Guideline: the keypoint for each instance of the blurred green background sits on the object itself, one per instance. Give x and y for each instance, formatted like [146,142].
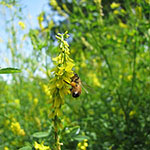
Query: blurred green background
[110,45]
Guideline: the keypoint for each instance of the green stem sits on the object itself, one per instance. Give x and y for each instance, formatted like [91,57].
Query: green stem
[57,143]
[133,73]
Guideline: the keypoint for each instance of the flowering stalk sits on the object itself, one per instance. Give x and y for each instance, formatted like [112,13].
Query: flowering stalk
[58,88]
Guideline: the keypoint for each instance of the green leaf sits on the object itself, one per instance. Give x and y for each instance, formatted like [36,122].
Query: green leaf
[73,131]
[26,148]
[9,70]
[40,134]
[1,147]
[80,137]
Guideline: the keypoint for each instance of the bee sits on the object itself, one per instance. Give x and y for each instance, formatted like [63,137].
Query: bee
[76,84]
[76,88]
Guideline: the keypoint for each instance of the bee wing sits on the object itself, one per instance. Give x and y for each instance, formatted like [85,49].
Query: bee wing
[87,86]
[85,89]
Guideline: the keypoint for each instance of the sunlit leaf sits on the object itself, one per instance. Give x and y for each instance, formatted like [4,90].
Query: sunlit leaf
[26,148]
[80,137]
[9,70]
[40,134]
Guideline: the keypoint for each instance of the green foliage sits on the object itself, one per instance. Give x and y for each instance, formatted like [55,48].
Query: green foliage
[109,43]
[9,70]
[40,134]
[26,148]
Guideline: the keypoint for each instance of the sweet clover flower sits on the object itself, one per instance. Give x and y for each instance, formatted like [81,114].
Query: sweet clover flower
[61,73]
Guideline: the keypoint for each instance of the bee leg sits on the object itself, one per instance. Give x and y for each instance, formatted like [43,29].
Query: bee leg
[66,82]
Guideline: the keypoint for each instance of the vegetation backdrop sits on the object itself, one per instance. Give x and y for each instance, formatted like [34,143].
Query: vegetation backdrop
[110,45]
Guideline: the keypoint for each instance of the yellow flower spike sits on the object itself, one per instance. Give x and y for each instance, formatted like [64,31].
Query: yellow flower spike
[58,88]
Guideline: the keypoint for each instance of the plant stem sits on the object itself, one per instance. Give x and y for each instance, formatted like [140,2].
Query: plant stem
[57,144]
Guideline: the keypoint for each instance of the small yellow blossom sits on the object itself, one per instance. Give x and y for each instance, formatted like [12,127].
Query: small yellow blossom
[6,148]
[55,5]
[7,122]
[16,129]
[114,37]
[121,112]
[98,1]
[41,146]
[108,36]
[17,101]
[46,89]
[113,109]
[129,77]
[120,76]
[114,5]
[35,101]
[82,145]
[83,64]
[119,41]
[132,113]
[123,11]
[5,4]
[123,25]
[40,20]
[116,12]
[22,25]
[94,78]
[138,10]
